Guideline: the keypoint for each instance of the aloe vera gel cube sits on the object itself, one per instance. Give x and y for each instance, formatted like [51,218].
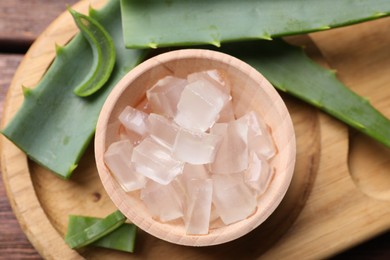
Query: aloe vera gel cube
[154,161]
[219,80]
[232,156]
[117,158]
[259,138]
[259,174]
[233,199]
[165,94]
[134,120]
[191,172]
[195,147]
[163,130]
[163,201]
[216,77]
[199,198]
[199,105]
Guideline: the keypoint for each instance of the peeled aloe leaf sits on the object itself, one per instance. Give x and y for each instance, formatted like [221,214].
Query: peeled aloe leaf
[54,126]
[150,23]
[91,231]
[103,51]
[291,71]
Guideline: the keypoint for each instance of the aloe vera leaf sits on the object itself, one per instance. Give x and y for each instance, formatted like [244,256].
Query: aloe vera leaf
[54,126]
[149,23]
[122,238]
[103,50]
[290,70]
[97,230]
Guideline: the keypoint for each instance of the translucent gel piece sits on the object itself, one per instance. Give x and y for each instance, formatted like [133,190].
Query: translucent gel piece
[163,201]
[117,158]
[232,155]
[134,120]
[195,147]
[126,134]
[191,172]
[165,94]
[220,80]
[259,137]
[197,214]
[163,130]
[155,162]
[199,105]
[259,174]
[216,77]
[232,198]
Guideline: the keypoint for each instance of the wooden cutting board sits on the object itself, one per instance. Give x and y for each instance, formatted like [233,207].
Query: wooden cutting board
[339,195]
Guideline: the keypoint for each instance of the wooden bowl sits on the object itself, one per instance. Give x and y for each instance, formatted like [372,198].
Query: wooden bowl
[250,91]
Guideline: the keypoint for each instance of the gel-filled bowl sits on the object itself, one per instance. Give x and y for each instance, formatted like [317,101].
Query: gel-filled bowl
[250,91]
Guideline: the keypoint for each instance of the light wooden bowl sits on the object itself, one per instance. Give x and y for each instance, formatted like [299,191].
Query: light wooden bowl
[250,91]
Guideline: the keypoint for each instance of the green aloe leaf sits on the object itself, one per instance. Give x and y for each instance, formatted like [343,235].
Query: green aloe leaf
[103,51]
[290,70]
[54,126]
[92,230]
[122,238]
[150,23]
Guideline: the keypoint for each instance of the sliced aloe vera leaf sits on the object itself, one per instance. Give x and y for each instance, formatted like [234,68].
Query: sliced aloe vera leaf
[290,70]
[122,238]
[150,23]
[54,126]
[95,231]
[103,52]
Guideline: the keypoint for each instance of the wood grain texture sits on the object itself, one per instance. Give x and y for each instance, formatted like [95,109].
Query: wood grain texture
[17,249]
[365,68]
[13,242]
[21,21]
[46,185]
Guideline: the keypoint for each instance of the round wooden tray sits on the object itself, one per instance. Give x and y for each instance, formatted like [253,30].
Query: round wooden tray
[42,202]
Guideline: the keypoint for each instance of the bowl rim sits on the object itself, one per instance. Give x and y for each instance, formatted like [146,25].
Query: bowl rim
[215,237]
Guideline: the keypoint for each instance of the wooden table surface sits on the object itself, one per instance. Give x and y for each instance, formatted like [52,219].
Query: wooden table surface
[21,21]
